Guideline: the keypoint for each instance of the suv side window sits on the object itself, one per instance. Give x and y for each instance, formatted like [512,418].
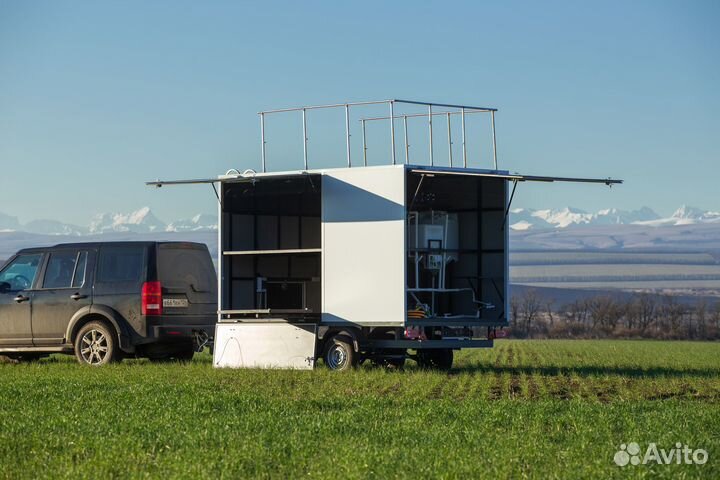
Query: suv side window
[121,264]
[79,276]
[60,269]
[20,273]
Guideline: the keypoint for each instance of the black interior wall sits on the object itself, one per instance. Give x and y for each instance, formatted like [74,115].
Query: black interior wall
[271,214]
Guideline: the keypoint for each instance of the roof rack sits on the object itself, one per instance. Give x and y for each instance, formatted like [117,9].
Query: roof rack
[448,110]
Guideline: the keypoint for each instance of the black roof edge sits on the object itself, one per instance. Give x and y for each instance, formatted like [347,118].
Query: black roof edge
[61,246]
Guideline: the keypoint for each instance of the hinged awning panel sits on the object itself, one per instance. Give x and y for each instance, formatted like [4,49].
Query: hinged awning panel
[235,178]
[419,169]
[190,181]
[516,177]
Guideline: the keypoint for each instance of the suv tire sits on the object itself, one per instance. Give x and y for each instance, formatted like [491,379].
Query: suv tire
[96,344]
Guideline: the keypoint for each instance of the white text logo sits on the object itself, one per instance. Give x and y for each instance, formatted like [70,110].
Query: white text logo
[630,454]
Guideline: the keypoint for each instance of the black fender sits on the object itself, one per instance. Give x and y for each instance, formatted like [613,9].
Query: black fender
[107,314]
[353,335]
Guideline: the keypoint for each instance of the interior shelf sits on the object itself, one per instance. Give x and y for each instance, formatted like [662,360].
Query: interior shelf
[454,250]
[286,251]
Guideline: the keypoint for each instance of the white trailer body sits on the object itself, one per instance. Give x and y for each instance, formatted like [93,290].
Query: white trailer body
[341,251]
[373,263]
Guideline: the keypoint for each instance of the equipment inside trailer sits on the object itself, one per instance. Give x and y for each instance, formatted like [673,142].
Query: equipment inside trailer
[456,247]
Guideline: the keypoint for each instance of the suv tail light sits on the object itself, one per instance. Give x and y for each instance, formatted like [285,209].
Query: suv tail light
[152,301]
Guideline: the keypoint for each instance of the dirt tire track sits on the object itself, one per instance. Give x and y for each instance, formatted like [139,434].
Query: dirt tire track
[533,391]
[559,387]
[515,388]
[461,387]
[436,391]
[496,389]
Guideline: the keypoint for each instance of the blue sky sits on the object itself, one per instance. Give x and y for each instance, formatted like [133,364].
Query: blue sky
[97,97]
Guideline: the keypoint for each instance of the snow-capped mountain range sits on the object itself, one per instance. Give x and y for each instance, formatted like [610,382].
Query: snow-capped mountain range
[139,221]
[521,219]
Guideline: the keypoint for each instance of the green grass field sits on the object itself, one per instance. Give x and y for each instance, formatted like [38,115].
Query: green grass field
[536,409]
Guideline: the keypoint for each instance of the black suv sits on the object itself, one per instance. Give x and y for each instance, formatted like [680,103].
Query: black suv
[103,301]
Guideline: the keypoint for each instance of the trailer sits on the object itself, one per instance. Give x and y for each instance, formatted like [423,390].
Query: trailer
[365,263]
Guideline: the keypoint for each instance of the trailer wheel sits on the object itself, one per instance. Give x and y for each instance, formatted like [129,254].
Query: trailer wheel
[391,358]
[339,353]
[440,359]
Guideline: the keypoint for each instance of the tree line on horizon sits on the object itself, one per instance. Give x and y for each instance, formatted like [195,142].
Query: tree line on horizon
[641,316]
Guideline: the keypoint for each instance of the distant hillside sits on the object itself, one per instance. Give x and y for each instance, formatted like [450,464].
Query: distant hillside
[698,237]
[11,242]
[142,220]
[522,219]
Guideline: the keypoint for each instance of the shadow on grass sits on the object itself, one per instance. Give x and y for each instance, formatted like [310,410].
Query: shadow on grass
[591,371]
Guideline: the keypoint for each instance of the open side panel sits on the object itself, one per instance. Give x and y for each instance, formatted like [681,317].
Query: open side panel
[271,248]
[457,249]
[265,345]
[363,246]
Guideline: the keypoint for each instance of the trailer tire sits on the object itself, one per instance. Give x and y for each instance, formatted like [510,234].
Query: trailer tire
[437,359]
[390,358]
[339,353]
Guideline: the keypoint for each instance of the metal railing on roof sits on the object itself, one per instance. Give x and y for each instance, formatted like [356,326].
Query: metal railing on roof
[449,110]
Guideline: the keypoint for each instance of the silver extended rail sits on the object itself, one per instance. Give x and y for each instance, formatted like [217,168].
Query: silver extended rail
[461,110]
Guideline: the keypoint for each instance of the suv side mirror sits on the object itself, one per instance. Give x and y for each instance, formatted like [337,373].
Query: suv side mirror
[5,287]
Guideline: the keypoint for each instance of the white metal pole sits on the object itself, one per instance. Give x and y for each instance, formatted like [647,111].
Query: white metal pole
[407,144]
[223,223]
[417,245]
[431,142]
[262,138]
[492,119]
[347,132]
[364,144]
[449,140]
[444,254]
[432,296]
[462,116]
[305,139]
[392,130]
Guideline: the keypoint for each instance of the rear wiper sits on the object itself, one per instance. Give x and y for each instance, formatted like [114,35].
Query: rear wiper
[192,286]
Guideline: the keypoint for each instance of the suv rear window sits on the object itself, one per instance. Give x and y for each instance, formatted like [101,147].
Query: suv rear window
[121,264]
[61,269]
[182,265]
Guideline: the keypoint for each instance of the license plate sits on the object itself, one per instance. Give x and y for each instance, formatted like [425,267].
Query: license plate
[175,302]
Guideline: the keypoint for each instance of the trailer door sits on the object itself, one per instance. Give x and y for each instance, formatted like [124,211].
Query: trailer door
[363,246]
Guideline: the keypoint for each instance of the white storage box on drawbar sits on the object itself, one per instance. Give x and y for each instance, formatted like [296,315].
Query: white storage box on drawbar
[265,345]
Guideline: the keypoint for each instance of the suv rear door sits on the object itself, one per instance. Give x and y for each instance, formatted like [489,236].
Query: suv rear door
[119,274]
[188,279]
[65,288]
